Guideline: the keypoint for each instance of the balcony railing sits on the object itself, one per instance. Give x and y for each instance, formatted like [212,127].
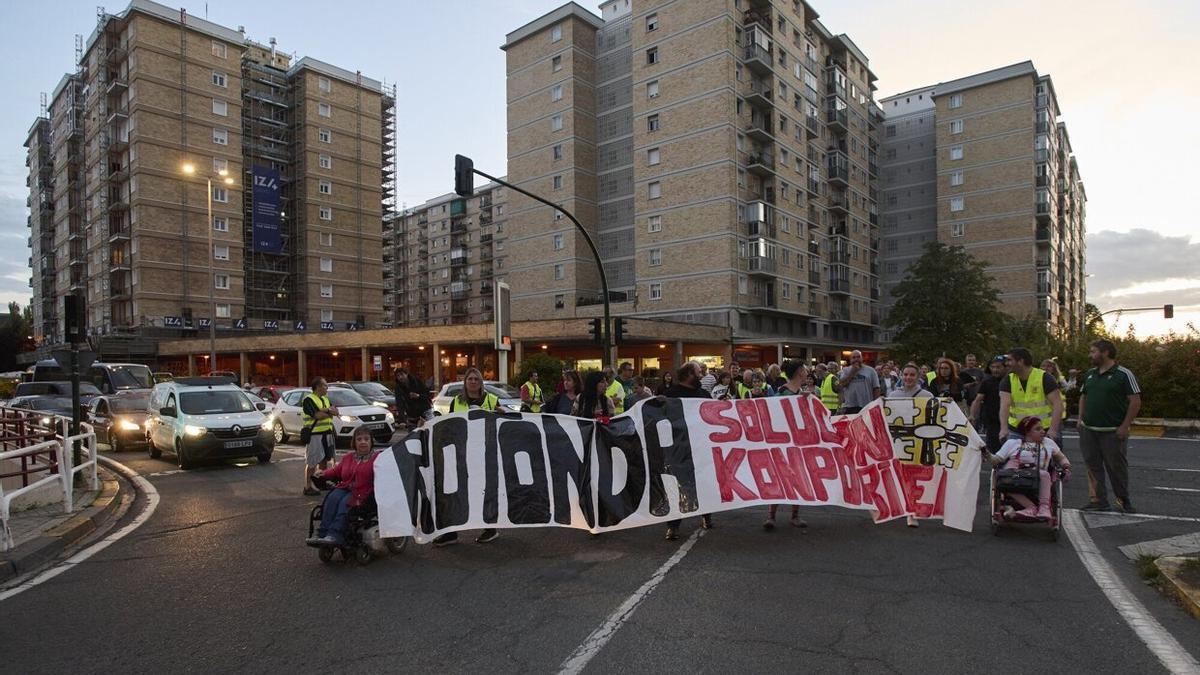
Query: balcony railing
[758,58]
[760,265]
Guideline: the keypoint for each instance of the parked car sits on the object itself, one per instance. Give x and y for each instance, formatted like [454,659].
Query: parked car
[374,392]
[87,391]
[272,393]
[510,398]
[353,410]
[120,419]
[107,377]
[160,376]
[206,418]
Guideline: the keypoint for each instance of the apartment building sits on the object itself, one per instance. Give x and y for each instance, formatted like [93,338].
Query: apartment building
[442,259]
[985,163]
[302,162]
[67,222]
[41,210]
[720,152]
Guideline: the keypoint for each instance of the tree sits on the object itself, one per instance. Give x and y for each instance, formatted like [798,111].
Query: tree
[945,305]
[549,370]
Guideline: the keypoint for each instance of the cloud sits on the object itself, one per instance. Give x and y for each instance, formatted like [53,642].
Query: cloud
[1141,264]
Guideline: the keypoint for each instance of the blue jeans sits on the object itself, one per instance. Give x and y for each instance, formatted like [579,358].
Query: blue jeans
[333,514]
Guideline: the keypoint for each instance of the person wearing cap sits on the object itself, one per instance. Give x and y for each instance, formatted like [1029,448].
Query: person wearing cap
[985,408]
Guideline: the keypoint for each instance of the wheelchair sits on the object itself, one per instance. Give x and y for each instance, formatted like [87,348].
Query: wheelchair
[361,540]
[1000,499]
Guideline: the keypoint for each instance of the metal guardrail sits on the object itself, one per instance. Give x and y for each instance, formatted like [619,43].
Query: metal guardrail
[54,476]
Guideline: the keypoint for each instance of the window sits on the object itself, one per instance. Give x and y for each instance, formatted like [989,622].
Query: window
[655,257]
[654,224]
[787,290]
[956,152]
[220,137]
[557,151]
[220,224]
[324,135]
[556,123]
[326,264]
[956,126]
[558,182]
[220,194]
[558,215]
[325,161]
[652,23]
[652,89]
[556,64]
[652,56]
[890,130]
[218,49]
[956,178]
[958,229]
[556,33]
[327,239]
[656,291]
[655,190]
[325,187]
[956,100]
[652,156]
[560,301]
[220,108]
[558,242]
[221,282]
[220,165]
[556,92]
[652,123]
[223,311]
[325,212]
[326,290]
[219,79]
[324,84]
[327,315]
[220,253]
[956,204]
[324,110]
[559,272]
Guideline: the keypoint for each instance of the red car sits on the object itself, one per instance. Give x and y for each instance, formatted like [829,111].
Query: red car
[271,394]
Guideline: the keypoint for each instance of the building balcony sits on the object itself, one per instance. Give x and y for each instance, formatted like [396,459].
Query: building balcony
[485,239]
[116,85]
[761,130]
[814,247]
[873,218]
[814,277]
[760,266]
[1044,211]
[758,18]
[758,59]
[839,202]
[1043,234]
[120,265]
[761,163]
[874,292]
[810,94]
[839,314]
[813,125]
[839,169]
[757,229]
[837,120]
[760,94]
[839,256]
[814,187]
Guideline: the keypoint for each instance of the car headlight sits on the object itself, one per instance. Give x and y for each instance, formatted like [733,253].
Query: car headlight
[193,430]
[46,421]
[126,425]
[346,418]
[389,418]
[381,404]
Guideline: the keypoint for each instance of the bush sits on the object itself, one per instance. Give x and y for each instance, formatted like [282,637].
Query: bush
[549,371]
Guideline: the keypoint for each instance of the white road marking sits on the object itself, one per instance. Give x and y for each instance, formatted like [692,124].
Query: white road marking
[579,659]
[1171,489]
[1156,638]
[1096,519]
[1179,545]
[1183,470]
[143,486]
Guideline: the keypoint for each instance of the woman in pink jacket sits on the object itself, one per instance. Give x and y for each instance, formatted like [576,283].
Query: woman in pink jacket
[355,474]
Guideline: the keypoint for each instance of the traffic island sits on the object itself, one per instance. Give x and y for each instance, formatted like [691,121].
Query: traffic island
[1180,576]
[42,534]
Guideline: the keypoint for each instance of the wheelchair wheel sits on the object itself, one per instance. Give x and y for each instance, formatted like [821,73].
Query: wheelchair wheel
[396,545]
[362,555]
[325,553]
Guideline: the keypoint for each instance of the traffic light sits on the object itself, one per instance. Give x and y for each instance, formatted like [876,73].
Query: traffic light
[1168,311]
[75,318]
[597,331]
[464,176]
[619,330]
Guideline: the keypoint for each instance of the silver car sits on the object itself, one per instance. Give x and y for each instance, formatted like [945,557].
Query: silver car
[286,417]
[510,399]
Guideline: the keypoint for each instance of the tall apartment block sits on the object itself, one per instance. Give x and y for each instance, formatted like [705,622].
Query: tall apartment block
[295,238]
[983,162]
[441,259]
[720,152]
[41,211]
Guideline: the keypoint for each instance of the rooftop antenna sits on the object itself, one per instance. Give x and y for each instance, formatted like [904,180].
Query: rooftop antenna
[78,51]
[43,112]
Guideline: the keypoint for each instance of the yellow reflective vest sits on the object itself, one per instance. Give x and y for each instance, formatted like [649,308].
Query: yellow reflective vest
[320,426]
[829,395]
[459,403]
[618,390]
[1030,399]
[535,396]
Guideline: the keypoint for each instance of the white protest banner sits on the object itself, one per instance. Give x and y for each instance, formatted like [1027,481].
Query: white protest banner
[664,459]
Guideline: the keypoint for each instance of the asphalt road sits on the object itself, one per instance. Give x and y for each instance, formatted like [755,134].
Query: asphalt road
[218,579]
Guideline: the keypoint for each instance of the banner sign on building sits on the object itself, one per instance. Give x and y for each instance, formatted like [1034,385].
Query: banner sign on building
[662,460]
[267,237]
[326,325]
[270,324]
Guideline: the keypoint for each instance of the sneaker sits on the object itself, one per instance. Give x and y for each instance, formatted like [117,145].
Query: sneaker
[313,541]
[671,536]
[446,539]
[1096,506]
[706,522]
[769,524]
[311,492]
[912,522]
[328,540]
[1126,507]
[797,521]
[486,536]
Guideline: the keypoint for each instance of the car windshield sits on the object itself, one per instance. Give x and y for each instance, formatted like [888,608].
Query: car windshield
[129,404]
[214,402]
[345,397]
[130,377]
[373,389]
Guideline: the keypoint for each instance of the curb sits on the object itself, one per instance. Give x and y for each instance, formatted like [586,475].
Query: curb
[33,554]
[1171,568]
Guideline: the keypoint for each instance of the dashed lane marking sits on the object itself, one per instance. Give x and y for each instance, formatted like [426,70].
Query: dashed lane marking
[1174,489]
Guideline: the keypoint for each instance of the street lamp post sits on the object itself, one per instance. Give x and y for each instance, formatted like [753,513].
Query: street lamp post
[190,169]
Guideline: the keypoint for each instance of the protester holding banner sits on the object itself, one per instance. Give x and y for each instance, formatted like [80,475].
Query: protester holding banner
[614,390]
[794,385]
[594,403]
[859,384]
[667,381]
[316,432]
[721,389]
[563,401]
[638,391]
[473,395]
[531,394]
[910,384]
[687,385]
[946,382]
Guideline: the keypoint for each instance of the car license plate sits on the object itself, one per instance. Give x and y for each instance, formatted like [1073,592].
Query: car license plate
[249,442]
[377,426]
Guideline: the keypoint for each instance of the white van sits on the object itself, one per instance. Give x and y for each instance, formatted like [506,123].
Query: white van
[206,418]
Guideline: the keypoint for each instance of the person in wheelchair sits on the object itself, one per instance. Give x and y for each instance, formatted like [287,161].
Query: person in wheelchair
[1031,449]
[355,489]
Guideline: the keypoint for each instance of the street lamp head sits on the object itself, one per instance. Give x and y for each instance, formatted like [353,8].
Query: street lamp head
[222,173]
[229,181]
[189,169]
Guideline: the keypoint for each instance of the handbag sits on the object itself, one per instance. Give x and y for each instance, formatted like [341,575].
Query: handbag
[305,435]
[1020,479]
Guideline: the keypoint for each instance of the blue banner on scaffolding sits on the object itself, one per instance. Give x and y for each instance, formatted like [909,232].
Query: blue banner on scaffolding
[267,237]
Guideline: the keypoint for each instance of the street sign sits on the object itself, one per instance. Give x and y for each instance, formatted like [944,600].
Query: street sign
[270,324]
[205,323]
[350,325]
[63,357]
[301,325]
[173,321]
[326,325]
[378,364]
[240,324]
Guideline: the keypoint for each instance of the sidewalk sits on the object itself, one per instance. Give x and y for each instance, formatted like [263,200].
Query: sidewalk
[42,533]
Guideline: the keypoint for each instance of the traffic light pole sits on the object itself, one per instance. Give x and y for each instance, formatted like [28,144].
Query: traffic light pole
[608,341]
